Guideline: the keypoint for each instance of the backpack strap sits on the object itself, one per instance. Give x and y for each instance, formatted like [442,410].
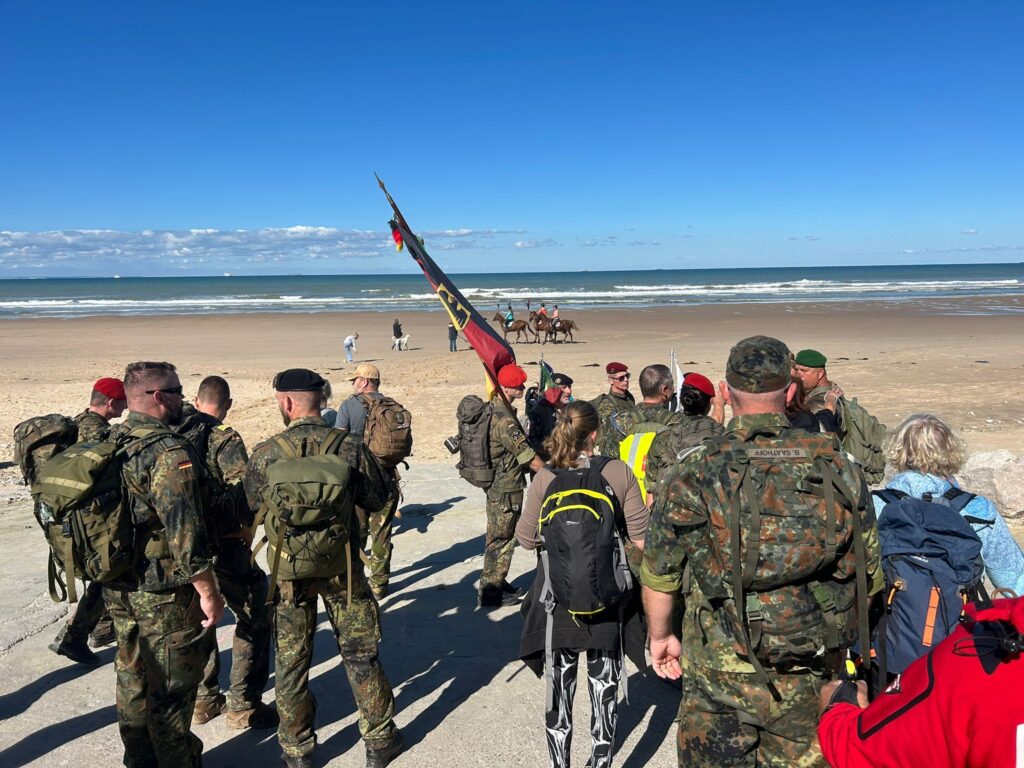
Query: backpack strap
[958,499]
[889,495]
[54,581]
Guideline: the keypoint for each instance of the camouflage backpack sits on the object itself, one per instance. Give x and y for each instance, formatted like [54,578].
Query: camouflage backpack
[388,430]
[39,439]
[307,513]
[789,565]
[863,438]
[80,503]
[474,441]
[618,416]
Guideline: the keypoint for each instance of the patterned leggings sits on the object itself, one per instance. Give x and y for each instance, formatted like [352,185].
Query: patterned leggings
[603,671]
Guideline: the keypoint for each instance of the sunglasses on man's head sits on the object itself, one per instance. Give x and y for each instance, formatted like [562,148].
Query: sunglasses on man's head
[167,390]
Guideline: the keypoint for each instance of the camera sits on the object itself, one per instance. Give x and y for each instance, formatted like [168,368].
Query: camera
[452,444]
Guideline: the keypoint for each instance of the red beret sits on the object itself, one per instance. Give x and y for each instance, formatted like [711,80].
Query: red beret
[511,376]
[702,383]
[612,368]
[112,388]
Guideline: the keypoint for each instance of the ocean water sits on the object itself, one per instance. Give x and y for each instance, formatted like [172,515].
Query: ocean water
[930,284]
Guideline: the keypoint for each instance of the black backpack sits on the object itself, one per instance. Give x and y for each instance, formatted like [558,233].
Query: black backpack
[585,567]
[474,441]
[931,557]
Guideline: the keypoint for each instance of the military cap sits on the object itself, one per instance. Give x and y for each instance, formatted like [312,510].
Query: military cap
[365,371]
[700,383]
[759,364]
[562,380]
[810,358]
[298,380]
[612,368]
[112,388]
[511,376]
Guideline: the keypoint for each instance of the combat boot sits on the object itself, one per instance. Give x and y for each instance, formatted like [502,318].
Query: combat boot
[511,589]
[297,761]
[207,709]
[76,650]
[496,597]
[379,758]
[102,636]
[258,718]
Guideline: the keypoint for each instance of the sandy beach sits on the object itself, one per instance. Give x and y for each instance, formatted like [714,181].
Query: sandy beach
[896,358]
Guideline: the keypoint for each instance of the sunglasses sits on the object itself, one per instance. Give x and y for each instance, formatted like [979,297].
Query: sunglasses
[167,390]
[623,377]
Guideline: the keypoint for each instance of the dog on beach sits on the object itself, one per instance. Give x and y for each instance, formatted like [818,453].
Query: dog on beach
[402,344]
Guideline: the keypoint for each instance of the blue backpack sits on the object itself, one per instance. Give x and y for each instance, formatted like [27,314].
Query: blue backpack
[931,557]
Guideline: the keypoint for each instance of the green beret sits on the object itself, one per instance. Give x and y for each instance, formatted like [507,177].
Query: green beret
[759,364]
[810,358]
[298,380]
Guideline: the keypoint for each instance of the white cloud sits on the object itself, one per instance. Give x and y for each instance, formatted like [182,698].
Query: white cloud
[969,231]
[547,242]
[104,251]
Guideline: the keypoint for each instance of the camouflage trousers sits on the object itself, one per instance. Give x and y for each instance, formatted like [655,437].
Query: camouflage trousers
[244,587]
[159,665]
[357,631]
[89,616]
[503,510]
[375,531]
[731,719]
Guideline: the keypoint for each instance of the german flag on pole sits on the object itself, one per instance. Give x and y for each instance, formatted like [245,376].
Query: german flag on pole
[493,351]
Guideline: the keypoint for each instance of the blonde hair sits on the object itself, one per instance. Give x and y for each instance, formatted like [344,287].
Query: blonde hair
[925,443]
[576,422]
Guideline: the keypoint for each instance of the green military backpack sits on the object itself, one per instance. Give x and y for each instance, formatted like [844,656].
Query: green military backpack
[81,505]
[307,513]
[39,439]
[863,438]
[789,559]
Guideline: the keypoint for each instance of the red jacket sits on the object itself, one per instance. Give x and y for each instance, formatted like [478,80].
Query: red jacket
[960,706]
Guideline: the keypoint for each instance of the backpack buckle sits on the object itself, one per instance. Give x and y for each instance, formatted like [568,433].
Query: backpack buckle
[753,610]
[823,598]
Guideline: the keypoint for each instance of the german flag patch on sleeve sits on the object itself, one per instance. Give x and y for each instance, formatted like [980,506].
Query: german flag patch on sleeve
[186,464]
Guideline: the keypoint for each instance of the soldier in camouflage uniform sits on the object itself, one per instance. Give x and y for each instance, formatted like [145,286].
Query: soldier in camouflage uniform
[694,425]
[243,583]
[511,457]
[90,618]
[821,396]
[617,400]
[737,710]
[354,618]
[162,608]
[376,527]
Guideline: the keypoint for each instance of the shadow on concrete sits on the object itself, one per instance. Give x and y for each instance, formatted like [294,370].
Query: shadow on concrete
[419,516]
[408,575]
[17,702]
[41,741]
[647,692]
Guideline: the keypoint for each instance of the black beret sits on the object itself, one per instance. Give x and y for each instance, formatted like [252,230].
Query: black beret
[562,380]
[298,380]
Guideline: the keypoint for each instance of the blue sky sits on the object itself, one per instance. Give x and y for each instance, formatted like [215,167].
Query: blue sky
[197,138]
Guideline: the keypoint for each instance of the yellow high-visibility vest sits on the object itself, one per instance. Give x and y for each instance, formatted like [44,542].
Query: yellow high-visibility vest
[633,450]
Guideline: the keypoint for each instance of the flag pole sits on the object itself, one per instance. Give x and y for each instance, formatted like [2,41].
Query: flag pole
[492,377]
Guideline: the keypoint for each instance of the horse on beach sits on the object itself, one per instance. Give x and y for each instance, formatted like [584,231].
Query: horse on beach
[542,324]
[518,327]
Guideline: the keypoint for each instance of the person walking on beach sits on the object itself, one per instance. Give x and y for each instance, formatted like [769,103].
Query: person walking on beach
[769,607]
[511,458]
[396,336]
[242,582]
[453,337]
[351,609]
[350,346]
[162,608]
[89,623]
[605,637]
